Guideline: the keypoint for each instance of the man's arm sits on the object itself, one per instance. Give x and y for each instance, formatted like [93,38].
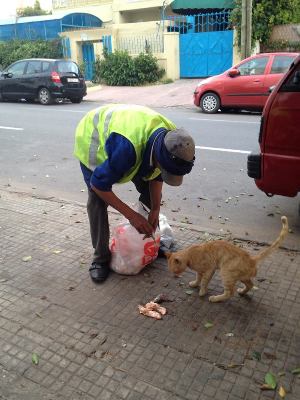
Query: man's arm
[137,220]
[155,195]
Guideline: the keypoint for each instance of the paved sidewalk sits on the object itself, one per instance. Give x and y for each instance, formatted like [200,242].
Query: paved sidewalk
[178,93]
[92,343]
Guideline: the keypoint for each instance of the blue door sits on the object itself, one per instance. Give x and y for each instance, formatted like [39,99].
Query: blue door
[88,57]
[205,54]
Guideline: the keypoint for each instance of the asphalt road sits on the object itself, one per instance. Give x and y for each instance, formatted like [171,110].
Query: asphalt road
[36,157]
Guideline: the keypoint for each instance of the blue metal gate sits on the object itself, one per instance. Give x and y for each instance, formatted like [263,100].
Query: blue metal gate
[205,43]
[205,54]
[88,57]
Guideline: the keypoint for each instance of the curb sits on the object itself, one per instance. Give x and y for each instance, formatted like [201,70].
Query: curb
[178,225]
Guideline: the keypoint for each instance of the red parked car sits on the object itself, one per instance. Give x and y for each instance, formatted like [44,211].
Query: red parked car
[276,165]
[244,86]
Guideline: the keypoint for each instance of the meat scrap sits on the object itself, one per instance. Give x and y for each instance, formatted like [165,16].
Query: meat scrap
[152,310]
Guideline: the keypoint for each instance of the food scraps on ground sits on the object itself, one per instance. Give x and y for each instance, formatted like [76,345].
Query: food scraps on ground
[152,310]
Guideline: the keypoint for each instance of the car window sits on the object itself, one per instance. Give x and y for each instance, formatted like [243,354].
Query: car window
[67,66]
[281,64]
[45,66]
[256,66]
[34,67]
[292,84]
[17,69]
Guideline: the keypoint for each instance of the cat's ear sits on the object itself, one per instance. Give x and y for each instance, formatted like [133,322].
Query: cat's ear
[176,260]
[168,254]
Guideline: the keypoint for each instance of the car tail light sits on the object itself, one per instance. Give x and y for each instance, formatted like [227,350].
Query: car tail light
[55,77]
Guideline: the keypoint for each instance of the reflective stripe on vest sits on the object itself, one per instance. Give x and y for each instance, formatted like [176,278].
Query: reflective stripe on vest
[95,140]
[135,123]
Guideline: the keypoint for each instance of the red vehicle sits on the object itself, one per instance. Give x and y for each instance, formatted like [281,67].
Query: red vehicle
[276,167]
[244,86]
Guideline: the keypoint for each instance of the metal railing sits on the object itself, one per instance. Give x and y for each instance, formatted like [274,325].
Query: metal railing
[152,43]
[58,4]
[206,22]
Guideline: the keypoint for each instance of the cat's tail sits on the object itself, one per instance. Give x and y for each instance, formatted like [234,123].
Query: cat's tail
[276,243]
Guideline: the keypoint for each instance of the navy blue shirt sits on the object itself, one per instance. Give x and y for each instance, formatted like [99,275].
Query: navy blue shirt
[121,158]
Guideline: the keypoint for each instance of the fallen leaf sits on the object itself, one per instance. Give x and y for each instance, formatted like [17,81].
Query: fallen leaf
[35,359]
[282,373]
[270,380]
[235,365]
[189,292]
[26,258]
[270,356]
[256,355]
[38,315]
[161,298]
[229,334]
[296,371]
[266,387]
[208,325]
[281,392]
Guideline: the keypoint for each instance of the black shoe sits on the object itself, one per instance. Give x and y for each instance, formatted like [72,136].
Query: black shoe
[99,272]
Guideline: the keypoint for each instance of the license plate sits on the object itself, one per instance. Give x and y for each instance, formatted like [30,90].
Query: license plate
[72,79]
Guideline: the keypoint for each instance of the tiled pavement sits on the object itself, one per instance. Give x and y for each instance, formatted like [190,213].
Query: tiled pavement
[91,341]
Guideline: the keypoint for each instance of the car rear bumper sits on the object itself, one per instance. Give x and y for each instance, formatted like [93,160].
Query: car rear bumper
[68,92]
[197,99]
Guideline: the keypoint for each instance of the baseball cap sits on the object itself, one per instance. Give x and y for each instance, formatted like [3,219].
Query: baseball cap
[175,154]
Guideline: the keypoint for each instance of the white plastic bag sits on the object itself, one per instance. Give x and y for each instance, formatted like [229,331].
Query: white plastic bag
[166,232]
[130,252]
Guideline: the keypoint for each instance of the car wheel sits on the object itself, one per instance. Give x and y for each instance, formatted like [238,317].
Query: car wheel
[44,96]
[210,103]
[76,99]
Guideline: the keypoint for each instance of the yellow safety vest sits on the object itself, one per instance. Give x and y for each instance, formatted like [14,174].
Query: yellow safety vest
[136,123]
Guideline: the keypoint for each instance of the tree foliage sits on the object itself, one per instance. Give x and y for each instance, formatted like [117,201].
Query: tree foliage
[13,50]
[265,15]
[31,11]
[120,69]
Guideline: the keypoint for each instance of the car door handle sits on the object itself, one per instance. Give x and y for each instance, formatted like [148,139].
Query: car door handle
[256,80]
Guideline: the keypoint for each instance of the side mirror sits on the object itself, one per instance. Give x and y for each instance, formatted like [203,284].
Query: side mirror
[233,72]
[7,74]
[271,88]
[296,78]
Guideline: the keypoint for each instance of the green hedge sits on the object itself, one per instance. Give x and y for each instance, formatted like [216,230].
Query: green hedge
[120,69]
[14,50]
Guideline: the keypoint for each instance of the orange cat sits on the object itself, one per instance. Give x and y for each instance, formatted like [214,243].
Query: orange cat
[234,263]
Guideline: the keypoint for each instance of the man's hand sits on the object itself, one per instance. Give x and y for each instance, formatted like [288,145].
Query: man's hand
[137,220]
[153,219]
[141,224]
